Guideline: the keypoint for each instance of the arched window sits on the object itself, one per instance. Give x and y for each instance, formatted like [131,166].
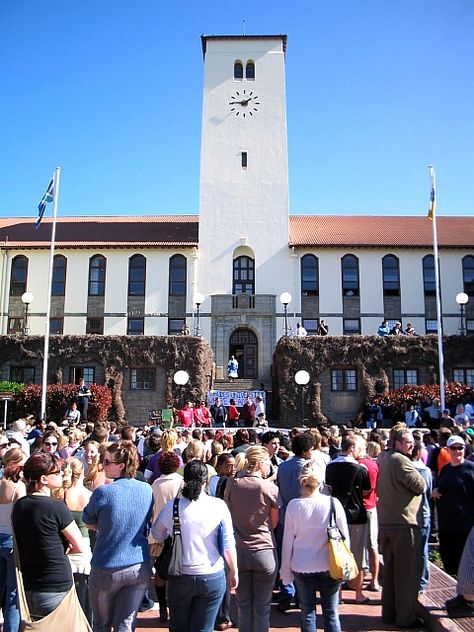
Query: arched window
[59,276]
[309,276]
[250,70]
[238,70]
[391,276]
[97,267]
[244,276]
[468,274]
[136,275]
[19,275]
[177,276]
[350,275]
[429,282]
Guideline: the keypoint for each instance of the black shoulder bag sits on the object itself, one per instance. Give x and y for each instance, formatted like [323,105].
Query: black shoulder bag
[170,561]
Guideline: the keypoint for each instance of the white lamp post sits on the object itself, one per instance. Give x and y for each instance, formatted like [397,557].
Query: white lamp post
[461,299]
[198,301]
[302,379]
[181,378]
[285,300]
[26,298]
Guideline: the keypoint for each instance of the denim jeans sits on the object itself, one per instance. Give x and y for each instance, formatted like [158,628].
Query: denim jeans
[194,600]
[11,614]
[306,586]
[257,572]
[287,591]
[42,603]
[116,595]
[425,534]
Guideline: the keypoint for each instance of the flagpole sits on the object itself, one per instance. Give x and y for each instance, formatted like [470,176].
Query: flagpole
[439,324]
[44,385]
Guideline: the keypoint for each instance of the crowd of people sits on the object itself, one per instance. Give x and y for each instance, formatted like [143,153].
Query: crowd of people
[92,506]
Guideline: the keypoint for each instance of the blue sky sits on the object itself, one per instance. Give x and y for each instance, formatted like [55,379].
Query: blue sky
[111,91]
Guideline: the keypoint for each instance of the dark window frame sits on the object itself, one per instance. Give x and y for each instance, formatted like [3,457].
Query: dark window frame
[347,379]
[130,330]
[139,383]
[92,330]
[470,382]
[250,70]
[172,331]
[238,70]
[243,275]
[350,286]
[78,372]
[349,332]
[19,275]
[58,330]
[58,287]
[21,371]
[429,277]
[137,285]
[391,275]
[177,286]
[468,274]
[309,286]
[400,383]
[97,275]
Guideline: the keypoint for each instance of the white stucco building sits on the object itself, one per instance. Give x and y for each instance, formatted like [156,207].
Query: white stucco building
[141,275]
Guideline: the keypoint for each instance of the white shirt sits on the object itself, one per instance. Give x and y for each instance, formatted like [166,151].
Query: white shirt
[305,539]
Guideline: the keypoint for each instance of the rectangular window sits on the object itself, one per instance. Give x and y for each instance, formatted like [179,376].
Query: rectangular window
[56,326]
[95,326]
[470,326]
[142,379]
[351,326]
[344,380]
[431,326]
[175,326]
[310,324]
[464,376]
[135,327]
[401,377]
[87,372]
[244,160]
[22,374]
[15,325]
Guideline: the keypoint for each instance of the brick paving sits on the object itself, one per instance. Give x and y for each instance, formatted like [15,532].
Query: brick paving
[360,618]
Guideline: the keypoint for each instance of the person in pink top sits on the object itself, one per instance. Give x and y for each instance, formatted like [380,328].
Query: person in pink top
[186,415]
[202,415]
[370,504]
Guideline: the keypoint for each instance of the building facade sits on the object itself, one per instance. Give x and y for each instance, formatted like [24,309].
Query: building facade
[222,272]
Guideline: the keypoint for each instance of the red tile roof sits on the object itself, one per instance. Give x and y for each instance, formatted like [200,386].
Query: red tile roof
[111,232]
[330,231]
[321,231]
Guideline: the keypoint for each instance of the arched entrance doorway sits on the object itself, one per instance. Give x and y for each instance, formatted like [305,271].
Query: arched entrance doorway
[243,345]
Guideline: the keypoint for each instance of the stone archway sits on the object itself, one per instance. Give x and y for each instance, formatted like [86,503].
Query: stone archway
[243,344]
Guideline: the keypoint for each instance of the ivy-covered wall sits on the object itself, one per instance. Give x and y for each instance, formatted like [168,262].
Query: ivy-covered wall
[116,354]
[374,359]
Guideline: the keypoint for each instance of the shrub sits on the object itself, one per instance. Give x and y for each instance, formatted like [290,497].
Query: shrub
[58,399]
[409,394]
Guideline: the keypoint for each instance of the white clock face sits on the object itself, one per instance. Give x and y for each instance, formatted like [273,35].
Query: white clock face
[244,103]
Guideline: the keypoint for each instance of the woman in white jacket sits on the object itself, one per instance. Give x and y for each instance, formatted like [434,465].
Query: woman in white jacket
[305,553]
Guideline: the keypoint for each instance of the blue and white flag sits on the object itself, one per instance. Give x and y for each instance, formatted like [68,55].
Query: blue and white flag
[47,197]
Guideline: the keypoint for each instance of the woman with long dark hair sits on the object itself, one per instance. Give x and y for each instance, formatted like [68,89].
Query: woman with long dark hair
[206,531]
[45,531]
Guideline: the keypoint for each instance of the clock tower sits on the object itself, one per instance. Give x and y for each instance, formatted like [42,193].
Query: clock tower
[244,262]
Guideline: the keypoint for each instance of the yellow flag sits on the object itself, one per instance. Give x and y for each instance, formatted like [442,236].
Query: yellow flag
[432,209]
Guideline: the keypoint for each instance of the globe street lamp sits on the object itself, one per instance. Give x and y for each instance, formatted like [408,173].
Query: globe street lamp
[198,301]
[181,378]
[285,300]
[302,379]
[26,298]
[461,299]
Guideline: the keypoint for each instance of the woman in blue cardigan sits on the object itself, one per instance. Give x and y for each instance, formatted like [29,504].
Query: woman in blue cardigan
[120,513]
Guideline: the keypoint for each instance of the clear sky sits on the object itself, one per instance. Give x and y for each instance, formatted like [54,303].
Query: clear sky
[111,91]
